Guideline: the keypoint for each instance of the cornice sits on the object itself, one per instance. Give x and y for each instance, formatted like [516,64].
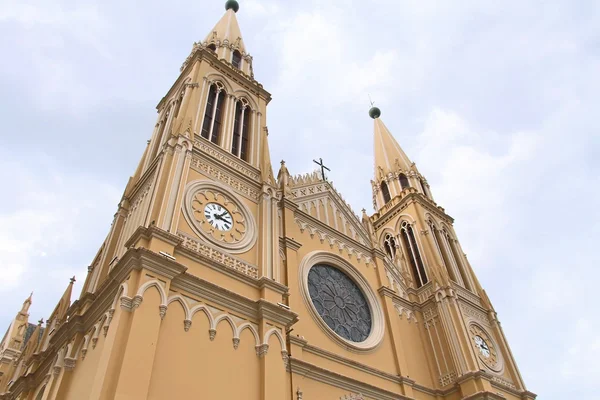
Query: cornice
[289,243]
[309,219]
[253,310]
[382,217]
[357,365]
[329,377]
[275,286]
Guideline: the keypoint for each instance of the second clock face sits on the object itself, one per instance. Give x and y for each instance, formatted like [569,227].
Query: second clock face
[218,216]
[483,347]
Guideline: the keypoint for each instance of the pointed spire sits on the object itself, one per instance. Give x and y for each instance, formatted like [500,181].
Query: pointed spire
[283,178]
[60,312]
[266,169]
[389,156]
[26,304]
[228,28]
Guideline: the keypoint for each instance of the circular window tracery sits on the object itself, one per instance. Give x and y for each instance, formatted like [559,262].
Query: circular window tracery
[339,302]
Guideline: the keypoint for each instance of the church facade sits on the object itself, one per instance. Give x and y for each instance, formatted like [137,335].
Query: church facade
[221,280]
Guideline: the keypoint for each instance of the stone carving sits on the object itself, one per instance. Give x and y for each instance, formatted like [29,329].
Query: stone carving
[352,397]
[410,315]
[447,379]
[227,179]
[475,314]
[187,325]
[262,350]
[70,363]
[503,382]
[340,302]
[212,333]
[226,158]
[236,342]
[332,241]
[218,256]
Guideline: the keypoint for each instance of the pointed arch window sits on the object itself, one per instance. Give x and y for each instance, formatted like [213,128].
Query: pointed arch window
[236,59]
[212,47]
[424,188]
[451,243]
[440,244]
[389,244]
[211,127]
[385,191]
[411,249]
[403,181]
[239,145]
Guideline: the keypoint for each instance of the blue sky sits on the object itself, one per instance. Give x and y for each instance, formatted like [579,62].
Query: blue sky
[496,102]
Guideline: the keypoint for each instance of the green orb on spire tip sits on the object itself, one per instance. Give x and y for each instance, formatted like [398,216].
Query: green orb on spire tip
[374,112]
[232,4]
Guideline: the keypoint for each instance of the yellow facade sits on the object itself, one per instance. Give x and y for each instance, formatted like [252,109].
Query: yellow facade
[220,280]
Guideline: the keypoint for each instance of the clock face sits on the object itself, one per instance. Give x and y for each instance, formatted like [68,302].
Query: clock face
[483,347]
[218,216]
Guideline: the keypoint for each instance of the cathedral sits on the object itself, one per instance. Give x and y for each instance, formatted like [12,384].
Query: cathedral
[220,279]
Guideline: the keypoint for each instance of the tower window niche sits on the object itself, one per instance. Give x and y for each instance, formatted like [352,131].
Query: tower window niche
[385,191]
[389,244]
[212,47]
[239,145]
[211,127]
[236,59]
[414,256]
[403,181]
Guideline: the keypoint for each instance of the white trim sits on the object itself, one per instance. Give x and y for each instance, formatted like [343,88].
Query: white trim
[377,318]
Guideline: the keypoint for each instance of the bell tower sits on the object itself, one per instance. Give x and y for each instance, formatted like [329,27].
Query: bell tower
[461,335]
[207,161]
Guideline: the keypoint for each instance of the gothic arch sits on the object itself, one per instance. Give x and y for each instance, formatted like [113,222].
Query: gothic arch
[206,311]
[384,232]
[239,93]
[276,332]
[404,217]
[158,286]
[229,320]
[177,298]
[252,329]
[216,77]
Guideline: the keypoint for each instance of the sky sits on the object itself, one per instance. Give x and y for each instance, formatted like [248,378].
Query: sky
[496,102]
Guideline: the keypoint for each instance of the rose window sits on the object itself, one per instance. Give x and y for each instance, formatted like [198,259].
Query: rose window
[339,302]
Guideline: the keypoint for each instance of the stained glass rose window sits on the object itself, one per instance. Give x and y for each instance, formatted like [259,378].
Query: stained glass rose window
[340,302]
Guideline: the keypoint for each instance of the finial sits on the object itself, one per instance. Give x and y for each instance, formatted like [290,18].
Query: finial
[41,321]
[232,4]
[374,112]
[72,280]
[282,163]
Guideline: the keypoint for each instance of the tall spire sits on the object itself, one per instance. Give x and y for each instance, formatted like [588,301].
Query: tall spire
[389,156]
[26,304]
[227,30]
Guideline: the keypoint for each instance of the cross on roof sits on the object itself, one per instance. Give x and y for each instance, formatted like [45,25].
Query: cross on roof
[323,167]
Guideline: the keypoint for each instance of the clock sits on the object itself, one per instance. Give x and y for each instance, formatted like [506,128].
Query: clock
[485,348]
[216,214]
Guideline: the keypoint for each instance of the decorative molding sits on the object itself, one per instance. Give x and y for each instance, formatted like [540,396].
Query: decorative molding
[262,349]
[339,240]
[218,256]
[503,382]
[352,397]
[211,334]
[187,324]
[215,152]
[447,379]
[473,314]
[237,185]
[410,315]
[69,363]
[200,189]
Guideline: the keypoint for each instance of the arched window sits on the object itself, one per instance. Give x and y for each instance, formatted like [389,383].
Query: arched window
[451,243]
[423,187]
[389,243]
[212,47]
[403,181]
[40,394]
[239,145]
[440,244]
[414,256]
[386,192]
[236,59]
[211,127]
